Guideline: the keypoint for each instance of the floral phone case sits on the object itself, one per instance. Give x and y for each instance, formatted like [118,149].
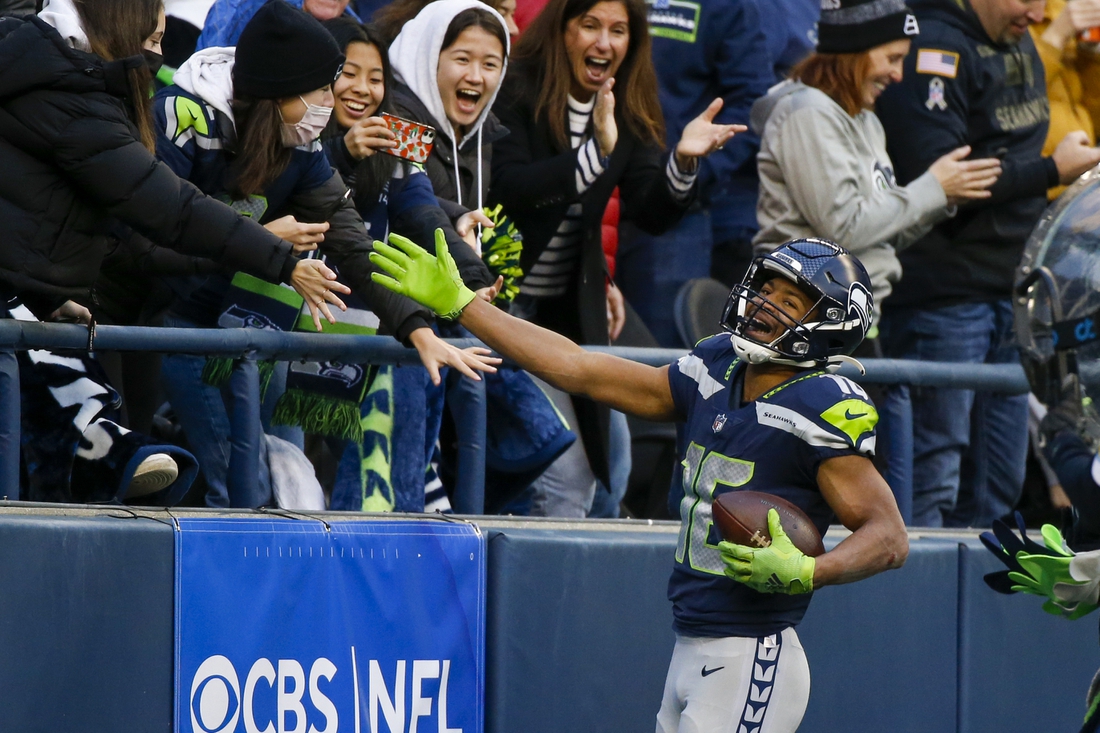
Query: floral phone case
[414,140]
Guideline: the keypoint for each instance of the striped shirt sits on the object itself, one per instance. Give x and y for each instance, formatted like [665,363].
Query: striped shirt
[556,267]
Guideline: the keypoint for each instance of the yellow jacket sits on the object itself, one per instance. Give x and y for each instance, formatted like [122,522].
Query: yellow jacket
[1069,74]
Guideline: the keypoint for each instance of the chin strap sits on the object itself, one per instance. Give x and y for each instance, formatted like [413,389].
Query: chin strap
[835,362]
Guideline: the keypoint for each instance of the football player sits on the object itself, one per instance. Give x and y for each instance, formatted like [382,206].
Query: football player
[761,409]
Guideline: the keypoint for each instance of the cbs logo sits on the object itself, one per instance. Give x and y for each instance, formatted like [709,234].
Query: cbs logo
[215,696]
[217,702]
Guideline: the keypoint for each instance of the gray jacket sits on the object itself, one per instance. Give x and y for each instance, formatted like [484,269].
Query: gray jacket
[824,173]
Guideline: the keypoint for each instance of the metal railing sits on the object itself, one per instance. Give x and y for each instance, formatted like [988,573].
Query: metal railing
[250,345]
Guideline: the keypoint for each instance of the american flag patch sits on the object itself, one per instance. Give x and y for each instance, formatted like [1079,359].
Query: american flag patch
[942,63]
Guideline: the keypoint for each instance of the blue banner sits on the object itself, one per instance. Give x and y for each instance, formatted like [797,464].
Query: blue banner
[298,626]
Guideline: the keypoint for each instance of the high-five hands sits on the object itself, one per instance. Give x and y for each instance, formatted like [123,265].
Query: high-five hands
[433,282]
[317,284]
[778,568]
[435,353]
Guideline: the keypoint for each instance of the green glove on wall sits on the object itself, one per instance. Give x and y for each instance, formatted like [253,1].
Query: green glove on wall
[1051,576]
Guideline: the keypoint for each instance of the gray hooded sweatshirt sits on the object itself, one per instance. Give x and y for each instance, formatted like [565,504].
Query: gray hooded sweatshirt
[825,173]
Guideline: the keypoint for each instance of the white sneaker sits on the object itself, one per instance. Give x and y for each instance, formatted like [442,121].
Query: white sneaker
[153,474]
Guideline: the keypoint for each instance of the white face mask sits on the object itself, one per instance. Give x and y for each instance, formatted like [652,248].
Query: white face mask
[307,129]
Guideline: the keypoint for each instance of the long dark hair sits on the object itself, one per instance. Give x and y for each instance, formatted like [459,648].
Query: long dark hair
[118,29]
[373,172]
[542,46]
[261,156]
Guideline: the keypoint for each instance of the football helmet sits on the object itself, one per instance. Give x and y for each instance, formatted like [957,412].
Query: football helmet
[1057,306]
[835,325]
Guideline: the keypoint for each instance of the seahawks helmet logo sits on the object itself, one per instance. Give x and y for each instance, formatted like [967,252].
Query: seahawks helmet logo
[882,177]
[859,305]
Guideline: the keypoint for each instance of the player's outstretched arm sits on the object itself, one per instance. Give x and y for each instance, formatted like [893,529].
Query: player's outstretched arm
[624,385]
[864,504]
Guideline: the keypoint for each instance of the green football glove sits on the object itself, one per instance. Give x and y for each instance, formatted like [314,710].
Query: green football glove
[1053,577]
[433,282]
[778,568]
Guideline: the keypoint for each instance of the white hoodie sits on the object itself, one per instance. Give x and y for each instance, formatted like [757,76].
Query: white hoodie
[62,15]
[414,56]
[208,74]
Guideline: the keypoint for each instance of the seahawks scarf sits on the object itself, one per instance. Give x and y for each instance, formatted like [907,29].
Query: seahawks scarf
[322,397]
[253,303]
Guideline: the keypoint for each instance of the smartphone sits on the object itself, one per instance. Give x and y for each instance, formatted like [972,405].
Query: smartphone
[414,140]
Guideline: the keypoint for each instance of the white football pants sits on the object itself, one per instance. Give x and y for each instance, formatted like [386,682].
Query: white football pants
[735,685]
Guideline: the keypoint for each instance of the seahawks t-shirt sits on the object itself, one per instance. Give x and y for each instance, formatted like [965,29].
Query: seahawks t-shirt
[773,444]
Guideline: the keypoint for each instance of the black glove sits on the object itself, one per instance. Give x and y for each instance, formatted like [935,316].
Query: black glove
[1004,543]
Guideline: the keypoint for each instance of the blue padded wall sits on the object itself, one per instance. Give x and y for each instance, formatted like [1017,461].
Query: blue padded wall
[579,636]
[882,651]
[579,631]
[86,624]
[1022,669]
[579,639]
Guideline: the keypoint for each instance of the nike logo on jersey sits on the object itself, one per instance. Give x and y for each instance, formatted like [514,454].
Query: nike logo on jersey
[708,672]
[848,415]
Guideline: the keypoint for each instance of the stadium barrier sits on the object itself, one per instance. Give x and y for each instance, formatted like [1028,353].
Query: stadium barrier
[469,402]
[578,631]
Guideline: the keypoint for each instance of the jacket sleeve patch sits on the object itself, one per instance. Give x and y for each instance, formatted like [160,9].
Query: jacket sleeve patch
[940,63]
[674,19]
[185,114]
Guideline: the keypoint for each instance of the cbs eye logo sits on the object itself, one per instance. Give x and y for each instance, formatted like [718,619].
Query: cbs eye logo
[215,696]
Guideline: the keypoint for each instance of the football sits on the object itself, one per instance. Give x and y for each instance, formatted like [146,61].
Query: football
[742,518]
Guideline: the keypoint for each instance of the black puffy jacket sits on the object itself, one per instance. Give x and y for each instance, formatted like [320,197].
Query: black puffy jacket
[71,164]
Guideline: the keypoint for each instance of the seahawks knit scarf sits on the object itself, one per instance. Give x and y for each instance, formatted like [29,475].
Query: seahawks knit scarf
[321,397]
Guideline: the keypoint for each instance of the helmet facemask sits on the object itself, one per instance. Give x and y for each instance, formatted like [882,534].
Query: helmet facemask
[742,318]
[804,342]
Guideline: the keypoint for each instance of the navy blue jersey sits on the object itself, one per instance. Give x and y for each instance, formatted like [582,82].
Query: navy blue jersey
[773,444]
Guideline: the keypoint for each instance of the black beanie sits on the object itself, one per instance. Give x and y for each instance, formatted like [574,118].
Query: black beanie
[853,26]
[284,52]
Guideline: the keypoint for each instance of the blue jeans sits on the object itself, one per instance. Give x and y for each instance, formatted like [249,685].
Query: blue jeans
[969,449]
[204,417]
[650,270]
[605,503]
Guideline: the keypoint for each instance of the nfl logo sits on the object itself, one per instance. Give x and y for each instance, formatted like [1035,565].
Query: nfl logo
[719,422]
